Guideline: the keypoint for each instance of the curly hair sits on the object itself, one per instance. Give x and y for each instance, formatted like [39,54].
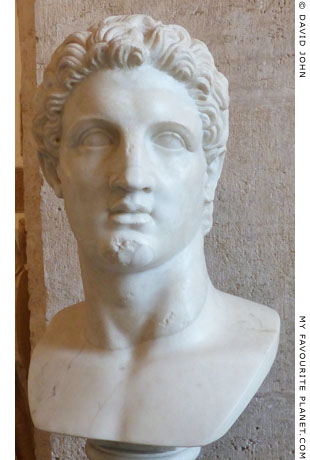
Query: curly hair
[127,42]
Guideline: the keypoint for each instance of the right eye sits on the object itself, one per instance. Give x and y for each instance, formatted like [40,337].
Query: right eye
[96,138]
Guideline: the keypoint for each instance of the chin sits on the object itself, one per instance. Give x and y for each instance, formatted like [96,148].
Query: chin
[122,252]
[131,251]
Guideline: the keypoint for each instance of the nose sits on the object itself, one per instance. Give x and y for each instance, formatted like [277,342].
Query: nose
[133,172]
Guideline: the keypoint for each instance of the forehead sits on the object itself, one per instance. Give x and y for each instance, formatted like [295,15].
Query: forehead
[142,95]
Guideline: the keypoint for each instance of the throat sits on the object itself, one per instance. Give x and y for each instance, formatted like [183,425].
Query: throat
[125,309]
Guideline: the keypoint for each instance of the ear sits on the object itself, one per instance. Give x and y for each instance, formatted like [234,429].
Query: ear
[212,175]
[49,166]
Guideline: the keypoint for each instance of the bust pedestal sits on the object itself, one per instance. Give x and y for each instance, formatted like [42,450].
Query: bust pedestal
[105,450]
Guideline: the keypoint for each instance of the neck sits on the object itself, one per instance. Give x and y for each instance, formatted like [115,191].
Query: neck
[124,309]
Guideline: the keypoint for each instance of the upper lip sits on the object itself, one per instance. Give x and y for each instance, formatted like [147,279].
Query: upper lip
[122,206]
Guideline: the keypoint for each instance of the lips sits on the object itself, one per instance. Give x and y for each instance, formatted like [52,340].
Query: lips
[130,213]
[124,207]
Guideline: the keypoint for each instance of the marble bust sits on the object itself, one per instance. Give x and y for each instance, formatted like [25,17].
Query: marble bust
[131,127]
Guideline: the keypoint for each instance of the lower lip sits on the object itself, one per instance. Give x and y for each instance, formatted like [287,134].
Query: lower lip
[131,218]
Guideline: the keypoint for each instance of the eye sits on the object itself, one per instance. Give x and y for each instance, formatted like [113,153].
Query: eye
[96,138]
[169,140]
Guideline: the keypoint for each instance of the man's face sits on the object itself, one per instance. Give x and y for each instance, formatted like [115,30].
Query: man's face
[132,168]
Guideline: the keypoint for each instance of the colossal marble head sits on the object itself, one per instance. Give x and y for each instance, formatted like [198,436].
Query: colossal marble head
[131,127]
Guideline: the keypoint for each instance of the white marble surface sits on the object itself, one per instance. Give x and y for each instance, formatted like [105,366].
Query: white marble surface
[182,390]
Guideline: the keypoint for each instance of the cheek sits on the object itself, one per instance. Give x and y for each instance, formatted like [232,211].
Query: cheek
[82,174]
[193,204]
[182,202]
[83,186]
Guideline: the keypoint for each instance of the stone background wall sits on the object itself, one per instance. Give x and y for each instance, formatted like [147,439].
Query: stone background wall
[250,249]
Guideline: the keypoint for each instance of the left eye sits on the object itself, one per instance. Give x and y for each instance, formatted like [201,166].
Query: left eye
[169,140]
[96,138]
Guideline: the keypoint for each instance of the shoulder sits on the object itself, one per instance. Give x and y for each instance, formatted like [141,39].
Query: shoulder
[67,323]
[246,312]
[72,312]
[246,325]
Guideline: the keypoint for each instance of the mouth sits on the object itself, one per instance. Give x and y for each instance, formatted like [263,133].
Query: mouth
[130,214]
[130,218]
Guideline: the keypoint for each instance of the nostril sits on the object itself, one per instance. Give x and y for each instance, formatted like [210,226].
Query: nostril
[132,179]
